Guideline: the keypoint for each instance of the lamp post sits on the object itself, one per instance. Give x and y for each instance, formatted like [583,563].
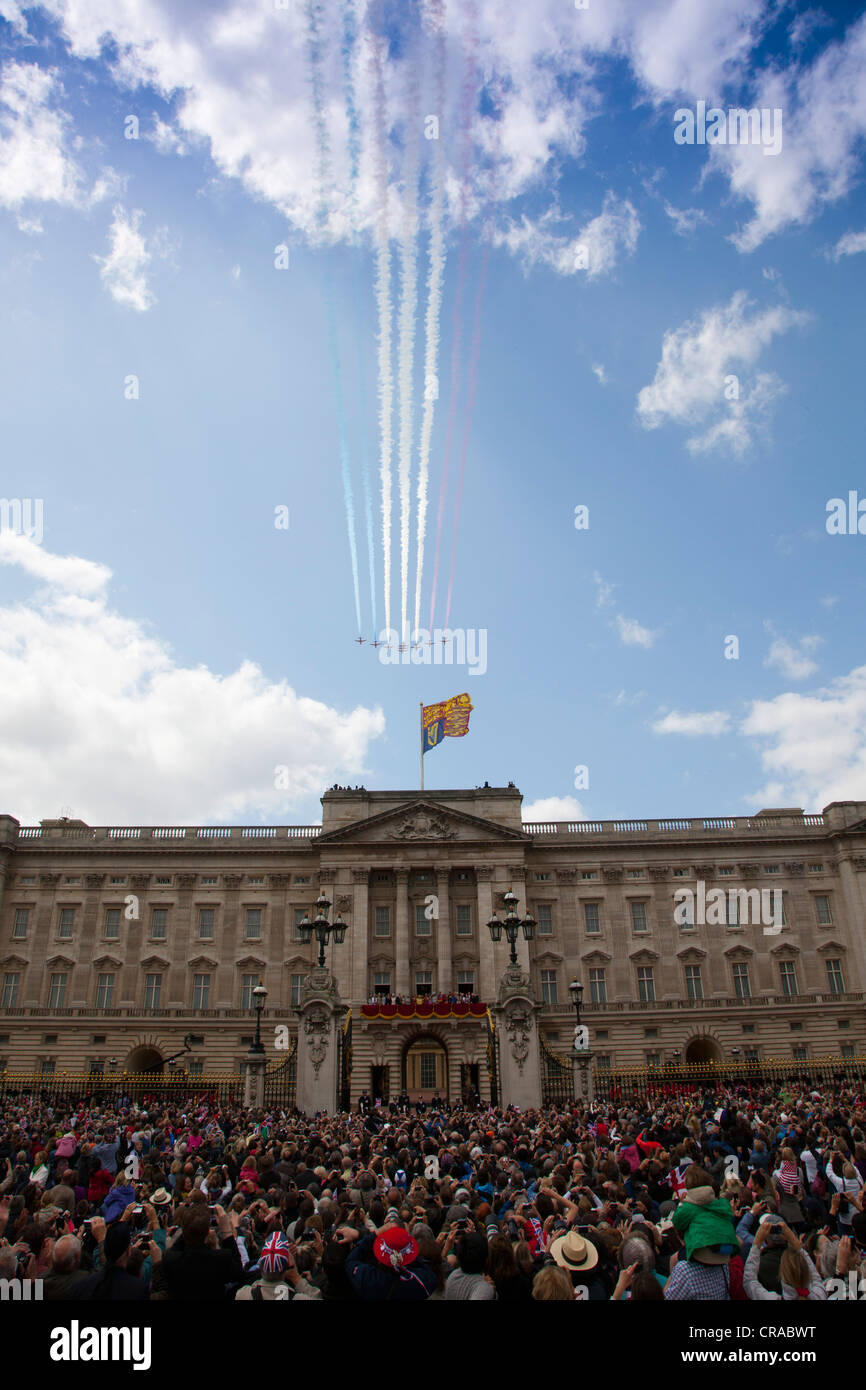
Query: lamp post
[260,994]
[512,925]
[575,989]
[322,927]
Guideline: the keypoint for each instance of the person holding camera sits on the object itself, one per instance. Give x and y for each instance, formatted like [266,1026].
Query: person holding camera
[798,1278]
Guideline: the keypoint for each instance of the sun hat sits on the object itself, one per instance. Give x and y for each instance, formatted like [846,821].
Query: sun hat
[395,1248]
[572,1252]
[161,1197]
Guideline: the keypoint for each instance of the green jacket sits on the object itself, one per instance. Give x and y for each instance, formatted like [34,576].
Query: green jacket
[704,1219]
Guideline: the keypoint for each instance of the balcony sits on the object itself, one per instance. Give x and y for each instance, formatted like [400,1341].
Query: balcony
[590,829]
[388,1012]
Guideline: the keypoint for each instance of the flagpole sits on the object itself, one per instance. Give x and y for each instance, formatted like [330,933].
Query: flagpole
[421,707]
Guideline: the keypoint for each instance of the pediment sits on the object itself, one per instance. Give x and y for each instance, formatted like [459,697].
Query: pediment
[644,956]
[739,952]
[161,961]
[690,954]
[589,957]
[60,960]
[15,962]
[422,822]
[255,961]
[827,947]
[204,960]
[549,955]
[107,960]
[785,948]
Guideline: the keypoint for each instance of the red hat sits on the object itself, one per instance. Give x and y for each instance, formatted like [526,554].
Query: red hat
[395,1248]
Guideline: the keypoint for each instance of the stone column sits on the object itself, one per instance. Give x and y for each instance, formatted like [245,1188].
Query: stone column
[519,1045]
[443,929]
[486,983]
[320,1015]
[581,1054]
[359,935]
[254,1079]
[401,940]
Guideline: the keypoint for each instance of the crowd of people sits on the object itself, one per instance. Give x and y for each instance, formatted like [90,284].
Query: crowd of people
[454,997]
[707,1195]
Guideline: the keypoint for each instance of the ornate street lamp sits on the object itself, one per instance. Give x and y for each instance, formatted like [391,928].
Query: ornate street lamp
[575,989]
[512,925]
[322,927]
[260,994]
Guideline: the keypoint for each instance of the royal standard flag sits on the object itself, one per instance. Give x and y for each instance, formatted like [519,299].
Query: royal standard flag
[448,719]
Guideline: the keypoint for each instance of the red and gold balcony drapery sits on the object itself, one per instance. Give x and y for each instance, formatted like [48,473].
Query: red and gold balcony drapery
[416,1010]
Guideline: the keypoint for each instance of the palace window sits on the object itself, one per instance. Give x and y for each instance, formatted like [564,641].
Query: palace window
[638,916]
[646,989]
[466,981]
[542,878]
[548,987]
[200,991]
[742,984]
[750,1054]
[299,915]
[112,923]
[591,918]
[297,984]
[788,975]
[152,991]
[19,926]
[10,990]
[382,982]
[423,925]
[67,921]
[57,991]
[694,984]
[588,874]
[834,977]
[254,924]
[104,991]
[464,919]
[383,921]
[205,923]
[209,880]
[161,882]
[248,984]
[159,923]
[597,986]
[545,919]
[423,982]
[822,910]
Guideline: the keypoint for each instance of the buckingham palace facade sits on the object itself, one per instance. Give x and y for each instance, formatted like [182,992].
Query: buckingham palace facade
[118,942]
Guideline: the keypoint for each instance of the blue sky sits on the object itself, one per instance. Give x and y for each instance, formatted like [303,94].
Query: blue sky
[165,649]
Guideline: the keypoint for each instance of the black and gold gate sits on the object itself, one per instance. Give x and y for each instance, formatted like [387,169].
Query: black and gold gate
[557,1077]
[492,1059]
[281,1081]
[345,1097]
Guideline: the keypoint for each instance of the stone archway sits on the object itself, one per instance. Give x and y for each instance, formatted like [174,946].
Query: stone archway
[701,1050]
[144,1058]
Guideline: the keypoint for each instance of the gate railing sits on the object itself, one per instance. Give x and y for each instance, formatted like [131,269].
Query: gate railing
[492,1059]
[557,1077]
[281,1081]
[729,1073]
[346,1062]
[141,1087]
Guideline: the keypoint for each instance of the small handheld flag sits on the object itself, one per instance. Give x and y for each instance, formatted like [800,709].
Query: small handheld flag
[448,719]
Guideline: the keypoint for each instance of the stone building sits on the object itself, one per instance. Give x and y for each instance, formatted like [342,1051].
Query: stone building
[117,942]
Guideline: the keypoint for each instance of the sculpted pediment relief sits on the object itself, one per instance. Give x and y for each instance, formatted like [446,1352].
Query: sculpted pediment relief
[421,822]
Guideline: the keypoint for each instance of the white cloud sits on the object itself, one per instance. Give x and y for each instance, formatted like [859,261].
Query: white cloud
[93,701]
[603,591]
[829,600]
[824,121]
[693,725]
[592,251]
[122,271]
[814,744]
[793,661]
[851,244]
[598,368]
[689,386]
[632,634]
[553,808]
[685,220]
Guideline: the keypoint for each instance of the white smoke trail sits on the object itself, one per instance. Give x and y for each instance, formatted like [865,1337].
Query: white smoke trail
[383,304]
[435,279]
[407,326]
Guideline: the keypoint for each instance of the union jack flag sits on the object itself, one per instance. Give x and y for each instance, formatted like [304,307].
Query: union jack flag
[275,1254]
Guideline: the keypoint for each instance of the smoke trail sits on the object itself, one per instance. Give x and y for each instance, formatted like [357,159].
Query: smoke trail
[383,303]
[468,92]
[407,323]
[435,277]
[313,11]
[348,48]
